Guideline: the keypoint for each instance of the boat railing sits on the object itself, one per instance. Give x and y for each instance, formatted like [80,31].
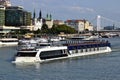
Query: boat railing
[70,42]
[29,46]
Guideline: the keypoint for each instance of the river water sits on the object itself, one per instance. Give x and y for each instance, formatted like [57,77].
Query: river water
[96,67]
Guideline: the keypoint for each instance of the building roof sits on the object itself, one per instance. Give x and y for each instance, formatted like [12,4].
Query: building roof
[15,7]
[76,21]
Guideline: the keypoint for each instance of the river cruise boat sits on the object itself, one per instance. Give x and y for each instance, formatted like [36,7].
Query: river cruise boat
[65,49]
[8,41]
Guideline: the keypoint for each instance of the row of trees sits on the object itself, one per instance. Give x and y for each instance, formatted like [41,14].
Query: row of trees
[56,29]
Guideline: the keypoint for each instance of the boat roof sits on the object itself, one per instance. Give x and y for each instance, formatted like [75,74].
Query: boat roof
[51,48]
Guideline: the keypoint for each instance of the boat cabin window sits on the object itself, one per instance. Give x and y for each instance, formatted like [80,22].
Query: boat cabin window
[52,54]
[9,40]
[48,53]
[24,54]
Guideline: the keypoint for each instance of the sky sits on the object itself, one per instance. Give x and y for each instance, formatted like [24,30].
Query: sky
[73,9]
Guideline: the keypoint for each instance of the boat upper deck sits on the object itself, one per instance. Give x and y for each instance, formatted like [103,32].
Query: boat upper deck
[67,42]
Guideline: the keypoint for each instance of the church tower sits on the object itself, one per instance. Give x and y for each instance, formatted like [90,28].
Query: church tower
[40,15]
[37,22]
[49,20]
[34,14]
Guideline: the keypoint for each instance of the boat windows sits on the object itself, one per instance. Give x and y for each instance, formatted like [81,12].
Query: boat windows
[76,51]
[86,50]
[52,54]
[24,54]
[94,49]
[44,44]
[65,51]
[98,48]
[81,50]
[9,40]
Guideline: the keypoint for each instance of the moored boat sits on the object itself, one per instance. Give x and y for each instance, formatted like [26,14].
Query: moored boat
[8,41]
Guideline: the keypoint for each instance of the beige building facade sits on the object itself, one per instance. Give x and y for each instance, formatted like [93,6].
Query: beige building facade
[80,25]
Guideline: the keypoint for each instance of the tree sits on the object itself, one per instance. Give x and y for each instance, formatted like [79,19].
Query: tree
[44,27]
[37,32]
[56,29]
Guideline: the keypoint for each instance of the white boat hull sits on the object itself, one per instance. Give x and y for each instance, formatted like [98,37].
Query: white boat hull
[8,44]
[80,54]
[91,53]
[25,59]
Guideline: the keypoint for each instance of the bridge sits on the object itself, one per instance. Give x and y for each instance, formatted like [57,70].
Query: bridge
[107,25]
[100,31]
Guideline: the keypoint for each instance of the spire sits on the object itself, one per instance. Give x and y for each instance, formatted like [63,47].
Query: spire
[50,17]
[40,14]
[47,16]
[34,15]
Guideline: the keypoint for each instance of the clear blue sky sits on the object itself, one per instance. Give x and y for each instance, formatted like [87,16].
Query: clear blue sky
[73,9]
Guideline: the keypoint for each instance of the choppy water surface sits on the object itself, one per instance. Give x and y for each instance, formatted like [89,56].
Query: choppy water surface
[97,67]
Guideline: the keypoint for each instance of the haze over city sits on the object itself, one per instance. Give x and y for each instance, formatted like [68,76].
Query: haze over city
[73,9]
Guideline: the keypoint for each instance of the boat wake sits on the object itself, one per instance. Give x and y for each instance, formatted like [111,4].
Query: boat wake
[115,49]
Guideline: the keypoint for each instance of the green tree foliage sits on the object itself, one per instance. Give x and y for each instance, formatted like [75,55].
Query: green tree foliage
[37,32]
[56,29]
[44,28]
[21,31]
